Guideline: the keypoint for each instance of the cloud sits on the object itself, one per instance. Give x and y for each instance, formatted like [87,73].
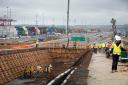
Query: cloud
[54,11]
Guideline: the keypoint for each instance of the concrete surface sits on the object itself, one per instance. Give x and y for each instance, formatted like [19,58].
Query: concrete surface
[81,74]
[100,72]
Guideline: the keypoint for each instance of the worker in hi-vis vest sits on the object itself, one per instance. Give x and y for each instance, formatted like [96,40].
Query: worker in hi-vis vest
[37,43]
[117,45]
[103,47]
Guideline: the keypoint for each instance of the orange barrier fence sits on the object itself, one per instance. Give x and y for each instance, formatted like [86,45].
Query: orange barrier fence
[21,46]
[15,45]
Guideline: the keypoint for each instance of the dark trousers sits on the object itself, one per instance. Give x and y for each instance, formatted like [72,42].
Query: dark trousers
[95,50]
[99,50]
[26,75]
[115,59]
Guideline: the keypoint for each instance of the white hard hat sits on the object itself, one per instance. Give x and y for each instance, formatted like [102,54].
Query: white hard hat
[117,37]
[50,65]
[39,67]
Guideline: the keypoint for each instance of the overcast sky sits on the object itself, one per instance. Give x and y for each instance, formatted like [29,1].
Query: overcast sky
[94,12]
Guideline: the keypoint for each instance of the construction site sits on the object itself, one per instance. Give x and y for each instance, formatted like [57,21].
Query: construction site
[48,52]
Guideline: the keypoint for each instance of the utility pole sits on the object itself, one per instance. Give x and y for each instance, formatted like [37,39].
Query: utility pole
[10,22]
[7,23]
[67,30]
[36,20]
[10,16]
[43,20]
[7,15]
[68,17]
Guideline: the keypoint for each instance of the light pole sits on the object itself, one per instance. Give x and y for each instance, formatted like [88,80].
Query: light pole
[10,16]
[7,24]
[43,23]
[36,20]
[67,30]
[7,15]
[68,17]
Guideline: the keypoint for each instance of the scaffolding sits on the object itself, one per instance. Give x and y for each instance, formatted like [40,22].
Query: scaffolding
[5,26]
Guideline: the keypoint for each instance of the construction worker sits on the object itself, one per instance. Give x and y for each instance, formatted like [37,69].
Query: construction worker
[74,45]
[107,50]
[26,72]
[63,46]
[95,47]
[31,68]
[37,43]
[38,71]
[38,68]
[103,47]
[91,46]
[116,51]
[50,68]
[99,47]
